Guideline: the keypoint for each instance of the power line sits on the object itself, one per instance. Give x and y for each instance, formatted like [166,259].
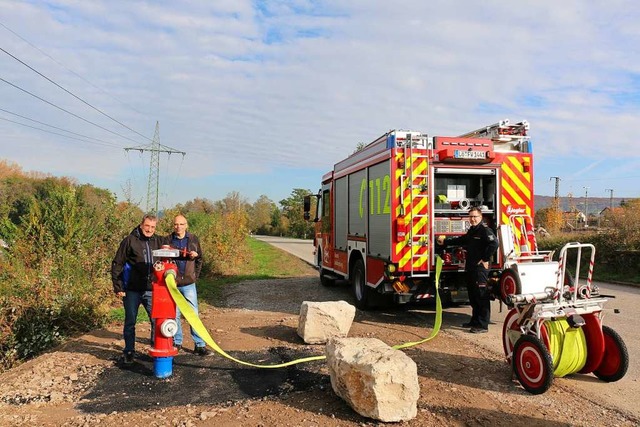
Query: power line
[600,179]
[72,94]
[68,69]
[66,111]
[56,133]
[55,127]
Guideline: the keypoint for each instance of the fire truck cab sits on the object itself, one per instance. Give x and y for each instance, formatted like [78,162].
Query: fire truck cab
[379,211]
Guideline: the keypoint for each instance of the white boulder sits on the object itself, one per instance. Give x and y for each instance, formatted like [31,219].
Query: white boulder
[320,321]
[376,380]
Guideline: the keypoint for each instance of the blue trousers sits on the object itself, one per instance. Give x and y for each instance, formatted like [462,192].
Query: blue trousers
[191,295]
[131,302]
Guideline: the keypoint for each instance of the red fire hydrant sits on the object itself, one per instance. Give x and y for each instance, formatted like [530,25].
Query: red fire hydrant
[163,312]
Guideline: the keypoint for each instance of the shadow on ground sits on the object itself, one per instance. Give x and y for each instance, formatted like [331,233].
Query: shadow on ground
[202,380]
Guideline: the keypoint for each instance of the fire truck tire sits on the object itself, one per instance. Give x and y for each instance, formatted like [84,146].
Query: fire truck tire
[509,284]
[361,292]
[615,362]
[532,364]
[324,280]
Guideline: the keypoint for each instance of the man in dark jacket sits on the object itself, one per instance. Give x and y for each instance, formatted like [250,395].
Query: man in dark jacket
[480,244]
[131,275]
[189,267]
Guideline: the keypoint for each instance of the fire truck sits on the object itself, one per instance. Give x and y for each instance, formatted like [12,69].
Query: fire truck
[379,211]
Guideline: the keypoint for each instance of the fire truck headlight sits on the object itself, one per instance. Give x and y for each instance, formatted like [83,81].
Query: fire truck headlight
[391,268]
[169,328]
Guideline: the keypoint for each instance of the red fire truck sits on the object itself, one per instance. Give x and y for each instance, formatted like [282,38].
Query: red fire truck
[379,210]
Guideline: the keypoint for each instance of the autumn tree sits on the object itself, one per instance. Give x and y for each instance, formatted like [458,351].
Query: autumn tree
[260,215]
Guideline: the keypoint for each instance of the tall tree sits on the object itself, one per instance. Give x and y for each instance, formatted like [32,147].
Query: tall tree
[260,215]
[292,209]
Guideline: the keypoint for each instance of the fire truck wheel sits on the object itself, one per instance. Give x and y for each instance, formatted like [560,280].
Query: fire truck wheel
[324,279]
[359,283]
[509,284]
[532,364]
[615,362]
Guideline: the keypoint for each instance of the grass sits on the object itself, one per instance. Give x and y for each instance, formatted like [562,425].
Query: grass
[265,262]
[616,275]
[117,315]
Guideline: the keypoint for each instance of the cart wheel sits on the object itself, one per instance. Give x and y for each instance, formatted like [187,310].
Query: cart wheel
[510,333]
[509,284]
[616,358]
[532,364]
[595,342]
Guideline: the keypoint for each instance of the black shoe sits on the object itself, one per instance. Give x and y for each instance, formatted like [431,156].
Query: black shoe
[127,358]
[469,325]
[201,351]
[478,330]
[178,347]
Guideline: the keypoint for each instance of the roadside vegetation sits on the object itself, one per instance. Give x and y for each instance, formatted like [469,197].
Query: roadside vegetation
[617,241]
[58,239]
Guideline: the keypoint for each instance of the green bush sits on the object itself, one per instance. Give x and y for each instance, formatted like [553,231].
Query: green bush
[615,258]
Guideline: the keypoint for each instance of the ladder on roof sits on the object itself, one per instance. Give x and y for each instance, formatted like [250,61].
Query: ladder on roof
[503,131]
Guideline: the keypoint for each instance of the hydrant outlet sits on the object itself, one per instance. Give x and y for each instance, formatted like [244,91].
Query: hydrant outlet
[169,328]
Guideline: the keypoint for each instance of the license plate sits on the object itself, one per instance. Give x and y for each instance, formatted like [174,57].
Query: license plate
[460,154]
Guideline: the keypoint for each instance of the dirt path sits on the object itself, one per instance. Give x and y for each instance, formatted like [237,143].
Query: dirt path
[462,381]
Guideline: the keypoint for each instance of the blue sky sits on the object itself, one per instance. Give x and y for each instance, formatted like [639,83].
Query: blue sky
[265,96]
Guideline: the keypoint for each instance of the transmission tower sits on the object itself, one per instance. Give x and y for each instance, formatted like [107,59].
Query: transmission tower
[610,190]
[155,148]
[556,198]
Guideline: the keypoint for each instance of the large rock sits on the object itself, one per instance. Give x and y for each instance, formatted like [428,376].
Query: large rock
[376,380]
[320,321]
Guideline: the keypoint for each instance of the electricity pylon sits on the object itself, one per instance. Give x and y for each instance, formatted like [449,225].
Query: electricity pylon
[556,196]
[154,168]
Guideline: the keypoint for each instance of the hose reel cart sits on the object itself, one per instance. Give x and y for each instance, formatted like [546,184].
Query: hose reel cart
[554,325]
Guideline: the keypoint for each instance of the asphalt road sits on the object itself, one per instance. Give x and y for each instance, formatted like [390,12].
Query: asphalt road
[622,313]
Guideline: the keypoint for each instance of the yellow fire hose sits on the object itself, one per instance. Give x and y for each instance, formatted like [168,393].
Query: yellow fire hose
[568,347]
[197,325]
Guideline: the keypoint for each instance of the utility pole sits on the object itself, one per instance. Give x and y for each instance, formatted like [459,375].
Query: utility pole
[586,204]
[556,196]
[610,190]
[154,168]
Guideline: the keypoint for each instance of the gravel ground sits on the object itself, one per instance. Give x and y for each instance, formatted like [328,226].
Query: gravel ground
[462,381]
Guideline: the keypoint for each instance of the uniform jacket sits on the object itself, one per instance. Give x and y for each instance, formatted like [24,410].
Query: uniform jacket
[188,269]
[135,249]
[480,243]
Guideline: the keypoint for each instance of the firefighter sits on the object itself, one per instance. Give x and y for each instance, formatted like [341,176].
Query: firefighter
[480,243]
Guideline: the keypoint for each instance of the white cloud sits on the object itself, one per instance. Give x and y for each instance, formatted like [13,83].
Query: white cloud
[272,86]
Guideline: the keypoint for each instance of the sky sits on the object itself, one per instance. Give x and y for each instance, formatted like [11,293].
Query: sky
[266,96]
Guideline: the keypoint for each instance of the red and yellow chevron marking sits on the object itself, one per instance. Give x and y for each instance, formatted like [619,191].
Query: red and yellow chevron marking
[517,190]
[409,207]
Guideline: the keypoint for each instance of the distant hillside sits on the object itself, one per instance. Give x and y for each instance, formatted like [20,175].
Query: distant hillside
[595,204]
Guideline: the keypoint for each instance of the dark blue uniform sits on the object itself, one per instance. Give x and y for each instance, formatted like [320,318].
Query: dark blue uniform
[480,244]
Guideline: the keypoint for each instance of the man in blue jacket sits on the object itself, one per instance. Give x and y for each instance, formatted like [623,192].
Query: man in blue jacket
[189,267]
[134,287]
